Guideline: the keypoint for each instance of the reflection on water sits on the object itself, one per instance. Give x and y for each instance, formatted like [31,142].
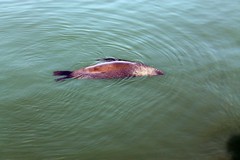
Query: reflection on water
[233,147]
[191,111]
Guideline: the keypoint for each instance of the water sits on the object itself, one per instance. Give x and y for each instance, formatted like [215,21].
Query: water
[190,113]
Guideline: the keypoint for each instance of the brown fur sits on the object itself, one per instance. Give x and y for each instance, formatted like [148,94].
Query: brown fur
[111,69]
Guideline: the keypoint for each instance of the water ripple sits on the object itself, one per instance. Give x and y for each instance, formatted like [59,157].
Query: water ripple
[194,104]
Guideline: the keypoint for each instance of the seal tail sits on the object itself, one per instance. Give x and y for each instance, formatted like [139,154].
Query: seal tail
[66,74]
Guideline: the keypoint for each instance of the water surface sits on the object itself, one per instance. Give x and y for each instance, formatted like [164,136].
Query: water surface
[189,113]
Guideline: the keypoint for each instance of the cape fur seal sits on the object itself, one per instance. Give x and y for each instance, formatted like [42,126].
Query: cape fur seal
[109,68]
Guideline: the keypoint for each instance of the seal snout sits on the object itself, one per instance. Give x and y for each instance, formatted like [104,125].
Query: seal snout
[158,72]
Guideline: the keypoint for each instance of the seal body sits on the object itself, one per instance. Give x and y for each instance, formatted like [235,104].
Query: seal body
[110,68]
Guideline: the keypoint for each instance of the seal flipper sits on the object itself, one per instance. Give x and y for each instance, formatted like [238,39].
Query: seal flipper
[110,59]
[66,74]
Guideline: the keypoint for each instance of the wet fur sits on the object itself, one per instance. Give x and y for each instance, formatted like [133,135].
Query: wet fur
[108,69]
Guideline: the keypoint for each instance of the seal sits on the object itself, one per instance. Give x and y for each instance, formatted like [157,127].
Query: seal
[110,68]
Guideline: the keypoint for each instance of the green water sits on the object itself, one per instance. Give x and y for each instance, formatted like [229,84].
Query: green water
[187,114]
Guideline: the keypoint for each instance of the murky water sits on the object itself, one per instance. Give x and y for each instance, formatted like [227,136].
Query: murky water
[189,113]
